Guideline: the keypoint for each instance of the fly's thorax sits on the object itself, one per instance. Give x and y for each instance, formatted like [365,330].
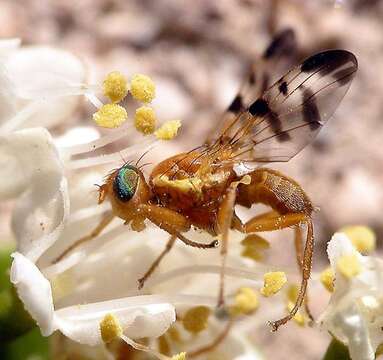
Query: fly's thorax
[126,188]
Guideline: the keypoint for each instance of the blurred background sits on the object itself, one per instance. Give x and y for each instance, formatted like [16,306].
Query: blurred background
[198,53]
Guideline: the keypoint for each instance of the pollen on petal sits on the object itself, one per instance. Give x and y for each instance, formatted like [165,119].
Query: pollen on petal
[362,237]
[327,278]
[168,130]
[145,120]
[115,86]
[246,302]
[349,266]
[110,116]
[142,88]
[273,282]
[196,319]
[180,356]
[110,328]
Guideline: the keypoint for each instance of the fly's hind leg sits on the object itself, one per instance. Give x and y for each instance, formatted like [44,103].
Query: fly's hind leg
[298,241]
[269,222]
[105,221]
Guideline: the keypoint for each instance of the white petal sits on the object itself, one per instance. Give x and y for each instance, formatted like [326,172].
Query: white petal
[347,324]
[44,73]
[7,97]
[24,156]
[30,167]
[36,69]
[8,45]
[82,322]
[39,216]
[34,290]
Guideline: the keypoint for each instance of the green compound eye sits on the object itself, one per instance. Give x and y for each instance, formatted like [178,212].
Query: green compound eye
[125,183]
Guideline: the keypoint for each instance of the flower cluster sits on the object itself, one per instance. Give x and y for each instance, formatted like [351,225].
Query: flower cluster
[91,296]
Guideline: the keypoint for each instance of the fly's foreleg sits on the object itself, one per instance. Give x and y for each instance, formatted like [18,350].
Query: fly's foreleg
[105,221]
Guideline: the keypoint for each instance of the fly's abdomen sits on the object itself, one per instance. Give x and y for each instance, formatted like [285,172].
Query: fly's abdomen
[272,188]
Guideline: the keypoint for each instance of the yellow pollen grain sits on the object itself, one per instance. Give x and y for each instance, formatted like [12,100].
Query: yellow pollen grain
[349,266]
[110,328]
[327,278]
[273,282]
[254,247]
[298,317]
[145,120]
[292,293]
[196,319]
[110,116]
[180,356]
[142,88]
[362,237]
[246,301]
[115,86]
[168,130]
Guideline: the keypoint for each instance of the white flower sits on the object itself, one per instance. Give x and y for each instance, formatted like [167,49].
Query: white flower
[355,312]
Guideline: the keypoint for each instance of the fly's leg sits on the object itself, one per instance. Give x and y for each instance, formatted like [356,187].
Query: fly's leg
[173,223]
[225,220]
[105,221]
[298,241]
[277,222]
[156,262]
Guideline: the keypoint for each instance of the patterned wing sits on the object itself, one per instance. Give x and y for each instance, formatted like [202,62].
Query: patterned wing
[288,115]
[277,55]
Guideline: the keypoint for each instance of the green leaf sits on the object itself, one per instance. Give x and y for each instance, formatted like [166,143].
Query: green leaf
[14,319]
[5,264]
[31,346]
[336,351]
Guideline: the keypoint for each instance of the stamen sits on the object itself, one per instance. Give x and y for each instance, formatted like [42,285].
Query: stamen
[246,302]
[94,100]
[273,282]
[327,278]
[115,157]
[21,116]
[142,88]
[169,130]
[145,120]
[349,266]
[115,86]
[253,275]
[362,237]
[254,247]
[111,329]
[196,319]
[112,136]
[110,116]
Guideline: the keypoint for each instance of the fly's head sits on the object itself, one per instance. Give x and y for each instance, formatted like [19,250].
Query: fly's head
[126,188]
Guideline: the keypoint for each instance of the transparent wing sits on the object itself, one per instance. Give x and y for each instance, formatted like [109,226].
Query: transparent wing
[288,115]
[275,60]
